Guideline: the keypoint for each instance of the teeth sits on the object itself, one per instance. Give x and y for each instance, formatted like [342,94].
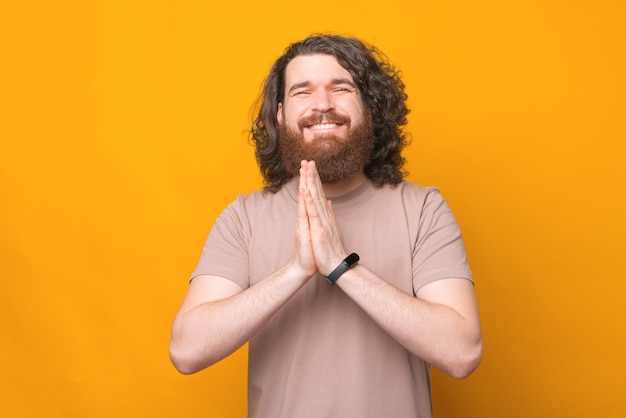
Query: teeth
[324,126]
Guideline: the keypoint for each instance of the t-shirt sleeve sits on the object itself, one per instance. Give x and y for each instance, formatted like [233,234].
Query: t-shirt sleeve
[439,251]
[225,253]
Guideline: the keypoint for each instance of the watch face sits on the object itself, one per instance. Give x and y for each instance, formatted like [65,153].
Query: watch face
[352,259]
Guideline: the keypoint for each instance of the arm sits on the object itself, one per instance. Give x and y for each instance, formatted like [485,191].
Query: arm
[441,325]
[217,316]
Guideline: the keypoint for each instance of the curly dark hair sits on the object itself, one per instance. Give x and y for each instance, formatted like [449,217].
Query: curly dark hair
[383,94]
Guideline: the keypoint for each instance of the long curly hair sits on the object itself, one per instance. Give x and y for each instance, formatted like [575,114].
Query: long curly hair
[383,95]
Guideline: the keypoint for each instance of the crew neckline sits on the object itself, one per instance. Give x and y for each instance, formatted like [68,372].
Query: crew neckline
[355,195]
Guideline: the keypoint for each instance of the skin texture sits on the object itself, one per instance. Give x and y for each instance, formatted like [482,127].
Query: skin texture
[440,325]
[323,120]
[315,85]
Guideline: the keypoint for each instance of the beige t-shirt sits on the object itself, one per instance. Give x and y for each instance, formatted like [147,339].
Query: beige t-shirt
[321,355]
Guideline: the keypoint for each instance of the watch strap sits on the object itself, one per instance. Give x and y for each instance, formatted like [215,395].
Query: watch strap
[344,266]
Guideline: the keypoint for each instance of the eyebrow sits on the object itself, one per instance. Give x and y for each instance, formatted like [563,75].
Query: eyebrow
[334,82]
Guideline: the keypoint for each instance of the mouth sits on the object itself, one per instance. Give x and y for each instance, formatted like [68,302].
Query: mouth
[321,123]
[322,126]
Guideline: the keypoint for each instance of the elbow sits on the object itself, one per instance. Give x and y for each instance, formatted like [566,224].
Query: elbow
[186,354]
[465,363]
[183,360]
[183,367]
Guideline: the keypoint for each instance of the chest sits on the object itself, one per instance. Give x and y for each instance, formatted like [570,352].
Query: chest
[380,232]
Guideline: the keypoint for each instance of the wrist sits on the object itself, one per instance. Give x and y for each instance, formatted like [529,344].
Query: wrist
[294,270]
[345,265]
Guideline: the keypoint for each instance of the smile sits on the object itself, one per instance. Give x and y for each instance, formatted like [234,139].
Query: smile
[323,126]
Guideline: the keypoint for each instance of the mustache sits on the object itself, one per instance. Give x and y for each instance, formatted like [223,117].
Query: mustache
[327,117]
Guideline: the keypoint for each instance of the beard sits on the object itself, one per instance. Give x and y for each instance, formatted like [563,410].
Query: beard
[336,159]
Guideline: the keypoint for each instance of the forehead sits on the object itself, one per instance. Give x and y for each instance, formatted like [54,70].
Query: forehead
[314,69]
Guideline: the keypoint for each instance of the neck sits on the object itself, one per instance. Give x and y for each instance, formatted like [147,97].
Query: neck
[343,187]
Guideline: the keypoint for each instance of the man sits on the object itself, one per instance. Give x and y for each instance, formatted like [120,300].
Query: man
[332,333]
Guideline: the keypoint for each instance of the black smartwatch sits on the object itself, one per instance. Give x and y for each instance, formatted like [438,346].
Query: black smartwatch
[345,265]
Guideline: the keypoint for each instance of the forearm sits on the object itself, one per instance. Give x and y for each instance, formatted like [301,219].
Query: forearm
[216,319]
[208,332]
[436,333]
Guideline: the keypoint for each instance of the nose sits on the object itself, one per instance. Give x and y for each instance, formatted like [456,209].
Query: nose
[323,101]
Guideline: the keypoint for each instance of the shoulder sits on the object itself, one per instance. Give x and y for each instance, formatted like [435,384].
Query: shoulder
[414,194]
[264,197]
[251,206]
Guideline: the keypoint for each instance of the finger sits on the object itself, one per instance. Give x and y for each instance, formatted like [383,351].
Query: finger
[304,251]
[303,175]
[318,180]
[303,228]
[302,196]
[316,208]
[314,185]
[325,236]
[312,205]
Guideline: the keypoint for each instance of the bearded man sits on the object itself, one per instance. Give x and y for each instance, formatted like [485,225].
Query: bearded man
[347,281]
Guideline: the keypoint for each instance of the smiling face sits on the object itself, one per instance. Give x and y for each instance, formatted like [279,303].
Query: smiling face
[322,119]
[321,98]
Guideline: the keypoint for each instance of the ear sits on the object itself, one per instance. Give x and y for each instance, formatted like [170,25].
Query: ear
[279,113]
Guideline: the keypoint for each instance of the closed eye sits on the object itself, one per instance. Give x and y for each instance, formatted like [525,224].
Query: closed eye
[343,90]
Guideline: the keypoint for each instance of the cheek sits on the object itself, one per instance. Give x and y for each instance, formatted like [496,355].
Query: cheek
[291,116]
[358,114]
[354,107]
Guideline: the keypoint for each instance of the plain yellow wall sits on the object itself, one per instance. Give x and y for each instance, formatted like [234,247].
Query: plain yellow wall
[123,135]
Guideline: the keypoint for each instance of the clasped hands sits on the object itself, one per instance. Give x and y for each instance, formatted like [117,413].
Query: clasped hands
[319,245]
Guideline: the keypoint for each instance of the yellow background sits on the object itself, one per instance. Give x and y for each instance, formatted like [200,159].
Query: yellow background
[123,135]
